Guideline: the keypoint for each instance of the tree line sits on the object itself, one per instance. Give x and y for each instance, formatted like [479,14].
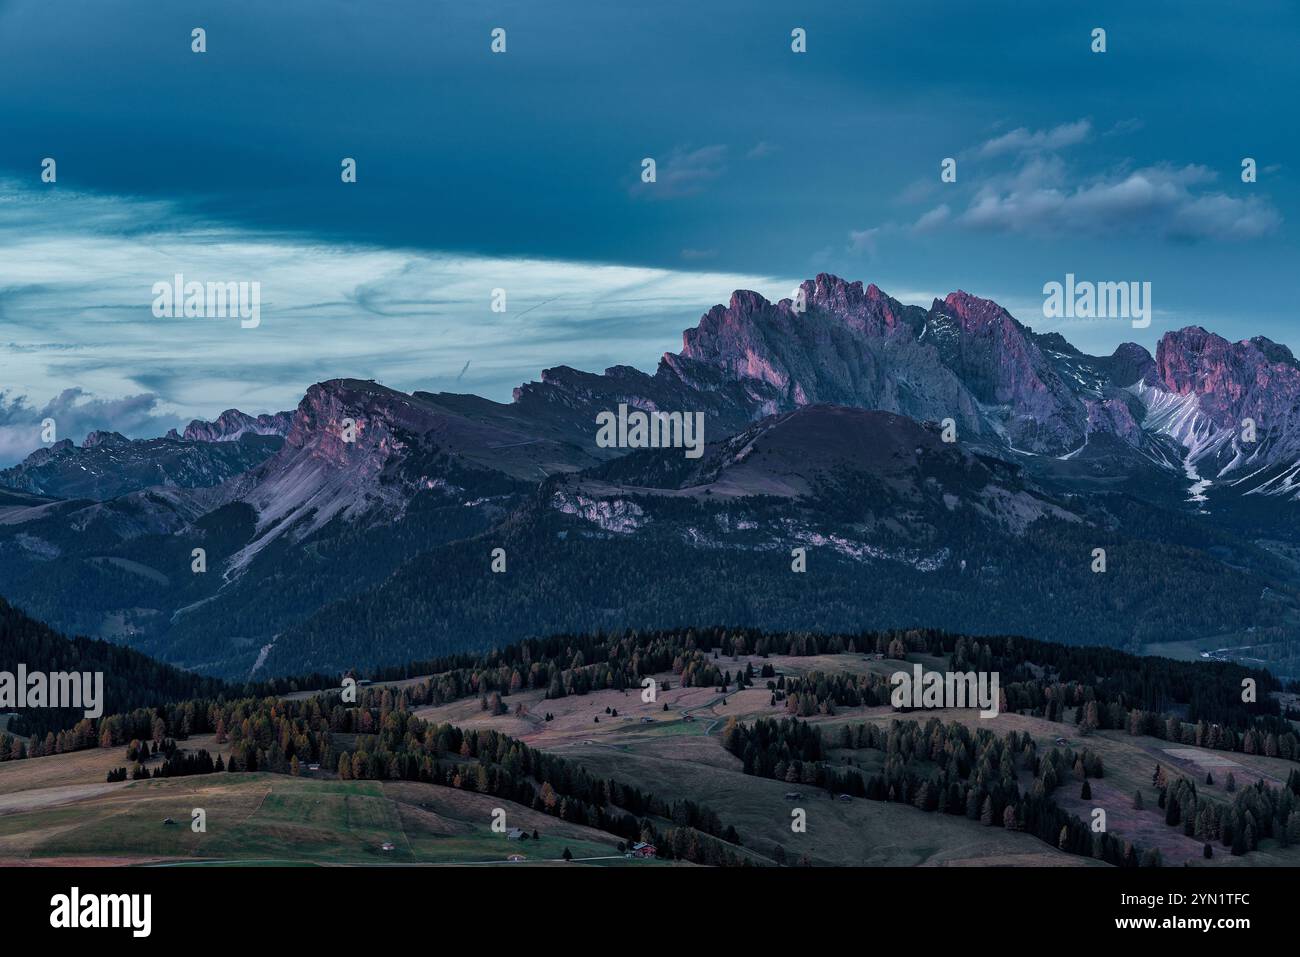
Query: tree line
[943,769]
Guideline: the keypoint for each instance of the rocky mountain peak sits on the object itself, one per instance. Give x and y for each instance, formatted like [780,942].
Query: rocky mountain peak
[106,439]
[1254,378]
[231,424]
[974,312]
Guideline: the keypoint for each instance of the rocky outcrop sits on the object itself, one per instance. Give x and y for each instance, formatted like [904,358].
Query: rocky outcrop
[1233,406]
[98,439]
[838,342]
[1254,378]
[232,423]
[968,359]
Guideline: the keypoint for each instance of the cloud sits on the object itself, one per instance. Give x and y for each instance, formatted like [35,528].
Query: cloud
[761,149]
[1160,200]
[864,240]
[868,240]
[1041,195]
[76,277]
[1022,140]
[918,191]
[74,414]
[683,172]
[932,219]
[1131,125]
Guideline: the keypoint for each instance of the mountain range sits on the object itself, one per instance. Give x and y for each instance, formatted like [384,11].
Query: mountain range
[947,467]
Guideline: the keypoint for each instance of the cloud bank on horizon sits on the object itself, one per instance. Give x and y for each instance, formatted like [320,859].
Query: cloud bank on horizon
[522,171]
[76,307]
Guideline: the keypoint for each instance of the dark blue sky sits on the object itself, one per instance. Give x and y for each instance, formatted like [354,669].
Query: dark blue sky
[773,165]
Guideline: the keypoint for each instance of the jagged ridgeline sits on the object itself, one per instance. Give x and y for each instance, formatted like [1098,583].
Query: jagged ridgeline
[824,429]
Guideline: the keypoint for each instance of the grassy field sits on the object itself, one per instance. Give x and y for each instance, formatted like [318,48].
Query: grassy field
[850,833]
[1191,648]
[679,758]
[265,818]
[1238,646]
[59,808]
[1130,764]
[676,758]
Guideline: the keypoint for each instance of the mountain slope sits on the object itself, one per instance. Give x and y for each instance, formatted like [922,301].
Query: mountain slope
[317,520]
[367,531]
[1209,394]
[1006,388]
[130,680]
[108,465]
[897,528]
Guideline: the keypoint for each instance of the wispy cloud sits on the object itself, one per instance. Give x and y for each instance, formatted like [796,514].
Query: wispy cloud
[1024,140]
[865,240]
[683,172]
[76,284]
[1159,200]
[1026,186]
[932,219]
[1123,127]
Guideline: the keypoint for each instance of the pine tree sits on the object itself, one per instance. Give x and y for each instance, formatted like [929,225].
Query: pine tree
[1239,842]
[1138,803]
[923,796]
[1085,793]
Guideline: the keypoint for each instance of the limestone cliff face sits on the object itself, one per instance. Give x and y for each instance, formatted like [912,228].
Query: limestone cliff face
[1233,406]
[1254,378]
[965,358]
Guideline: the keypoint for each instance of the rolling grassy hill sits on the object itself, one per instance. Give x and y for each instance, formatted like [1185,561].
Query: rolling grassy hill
[59,808]
[278,819]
